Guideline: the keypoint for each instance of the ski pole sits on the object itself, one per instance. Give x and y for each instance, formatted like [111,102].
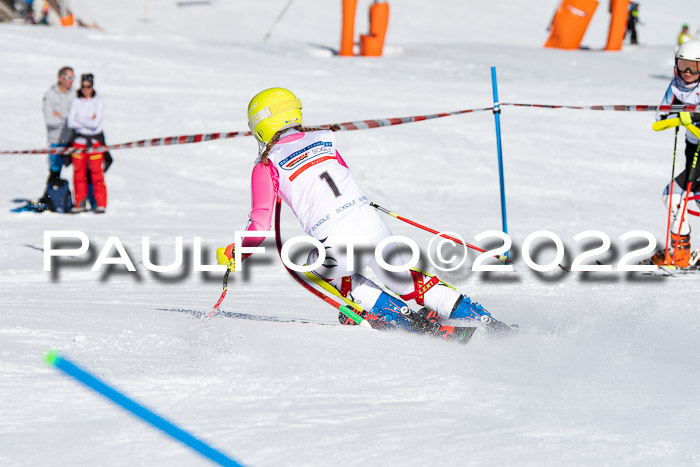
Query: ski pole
[670,196]
[274,23]
[221,298]
[687,193]
[501,258]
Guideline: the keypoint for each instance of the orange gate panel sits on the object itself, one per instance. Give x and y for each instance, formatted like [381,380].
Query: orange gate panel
[570,23]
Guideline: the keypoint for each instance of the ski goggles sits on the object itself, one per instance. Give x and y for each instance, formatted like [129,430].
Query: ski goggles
[690,66]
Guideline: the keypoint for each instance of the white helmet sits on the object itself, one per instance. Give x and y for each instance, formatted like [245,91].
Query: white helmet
[689,50]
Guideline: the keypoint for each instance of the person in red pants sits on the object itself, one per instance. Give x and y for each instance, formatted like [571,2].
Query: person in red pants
[82,163]
[85,119]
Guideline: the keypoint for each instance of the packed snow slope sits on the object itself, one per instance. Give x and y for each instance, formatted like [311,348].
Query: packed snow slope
[603,372]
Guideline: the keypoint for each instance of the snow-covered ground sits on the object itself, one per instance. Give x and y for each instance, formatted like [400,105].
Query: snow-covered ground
[603,372]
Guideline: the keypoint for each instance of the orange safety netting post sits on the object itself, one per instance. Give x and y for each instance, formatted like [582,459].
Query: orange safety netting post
[570,23]
[348,32]
[67,20]
[372,45]
[619,10]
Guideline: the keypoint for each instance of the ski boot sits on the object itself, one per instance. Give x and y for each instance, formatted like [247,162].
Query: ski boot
[80,207]
[678,253]
[387,312]
[466,309]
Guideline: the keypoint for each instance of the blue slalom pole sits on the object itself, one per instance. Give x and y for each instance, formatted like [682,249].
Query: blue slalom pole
[53,359]
[497,116]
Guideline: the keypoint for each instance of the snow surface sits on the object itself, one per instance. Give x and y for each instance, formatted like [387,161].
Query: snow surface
[603,372]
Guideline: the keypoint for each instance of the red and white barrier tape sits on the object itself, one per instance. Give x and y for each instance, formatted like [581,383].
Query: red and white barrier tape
[144,143]
[616,108]
[367,124]
[187,139]
[349,126]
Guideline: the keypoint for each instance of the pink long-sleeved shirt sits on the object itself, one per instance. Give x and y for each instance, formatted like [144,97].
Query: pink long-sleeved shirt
[264,188]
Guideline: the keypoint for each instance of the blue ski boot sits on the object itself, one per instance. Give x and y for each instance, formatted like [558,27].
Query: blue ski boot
[387,312]
[392,311]
[466,309]
[396,313]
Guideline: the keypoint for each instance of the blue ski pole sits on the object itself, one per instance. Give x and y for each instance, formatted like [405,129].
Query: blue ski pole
[497,116]
[55,360]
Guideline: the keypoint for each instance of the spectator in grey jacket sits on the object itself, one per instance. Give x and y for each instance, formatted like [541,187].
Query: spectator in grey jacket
[56,103]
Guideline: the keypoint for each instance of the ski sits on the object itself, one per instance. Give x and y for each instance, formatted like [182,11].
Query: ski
[450,333]
[673,271]
[247,316]
[28,206]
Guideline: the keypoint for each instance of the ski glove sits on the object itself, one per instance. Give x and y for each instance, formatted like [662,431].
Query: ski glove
[687,118]
[226,256]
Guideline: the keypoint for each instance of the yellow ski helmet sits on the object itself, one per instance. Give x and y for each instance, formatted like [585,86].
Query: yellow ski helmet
[272,110]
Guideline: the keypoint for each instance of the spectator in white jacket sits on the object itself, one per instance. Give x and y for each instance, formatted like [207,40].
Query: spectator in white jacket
[85,119]
[55,108]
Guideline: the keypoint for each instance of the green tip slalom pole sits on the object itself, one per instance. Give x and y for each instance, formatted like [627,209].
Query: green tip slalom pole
[55,360]
[501,258]
[347,311]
